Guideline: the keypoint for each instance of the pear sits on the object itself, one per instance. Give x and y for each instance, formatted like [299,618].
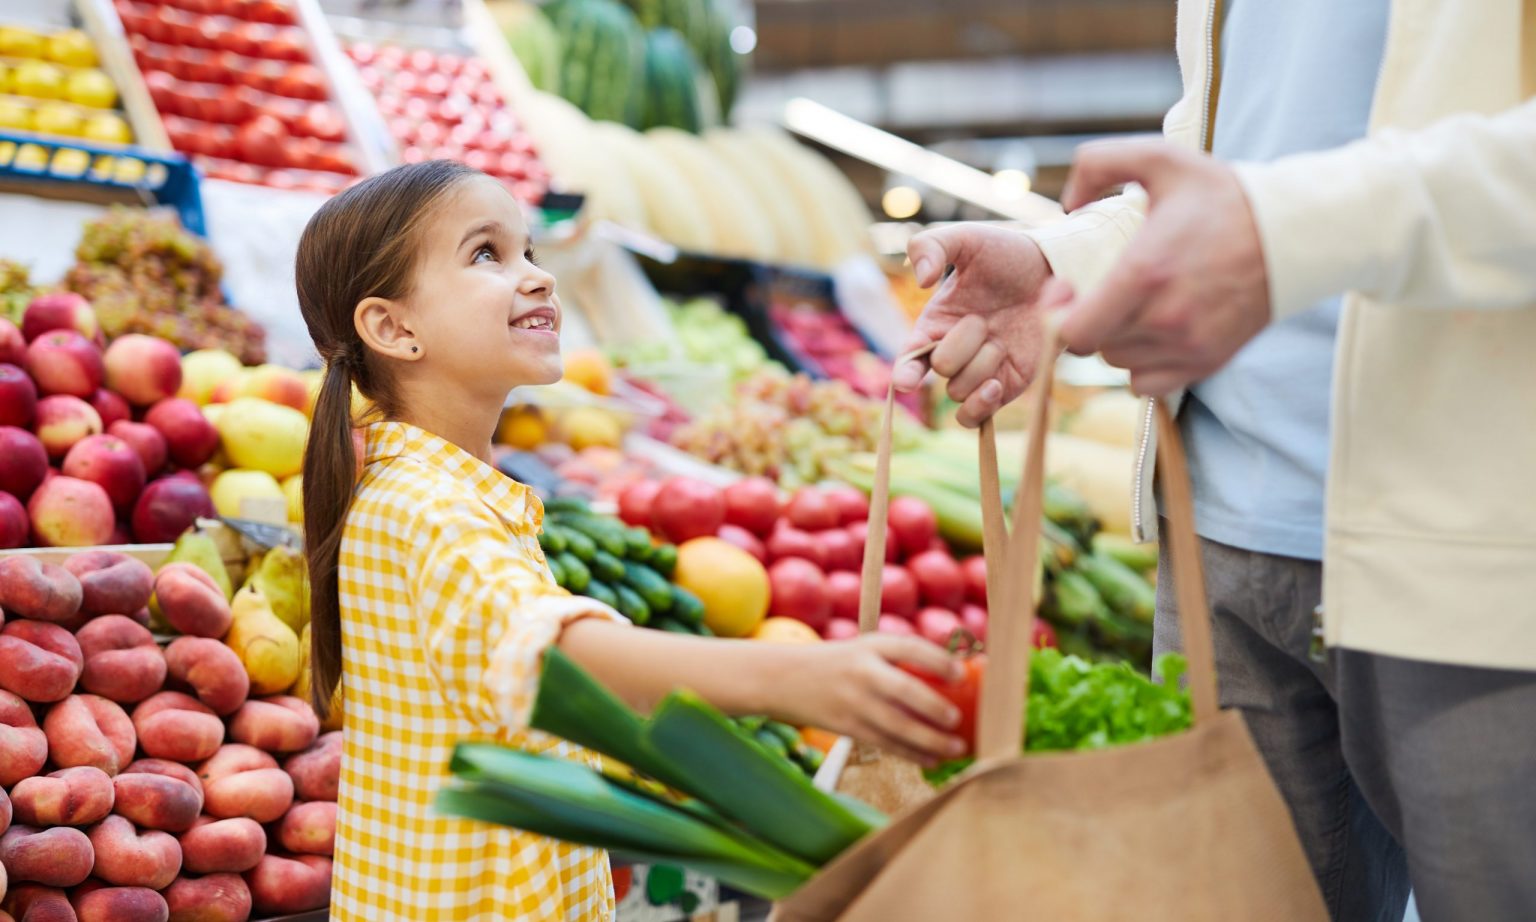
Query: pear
[284,579]
[267,646]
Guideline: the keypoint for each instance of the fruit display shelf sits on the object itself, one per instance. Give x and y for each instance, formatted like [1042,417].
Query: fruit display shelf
[79,171]
[255,92]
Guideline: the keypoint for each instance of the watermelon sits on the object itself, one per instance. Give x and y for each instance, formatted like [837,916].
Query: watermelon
[689,17]
[722,62]
[671,83]
[533,41]
[603,72]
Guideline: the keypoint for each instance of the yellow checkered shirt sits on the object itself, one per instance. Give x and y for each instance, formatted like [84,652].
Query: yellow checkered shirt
[447,605]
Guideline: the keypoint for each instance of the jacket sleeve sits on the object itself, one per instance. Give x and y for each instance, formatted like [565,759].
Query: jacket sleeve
[1084,246]
[1441,217]
[488,612]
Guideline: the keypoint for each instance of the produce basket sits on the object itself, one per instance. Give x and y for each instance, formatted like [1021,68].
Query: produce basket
[74,170]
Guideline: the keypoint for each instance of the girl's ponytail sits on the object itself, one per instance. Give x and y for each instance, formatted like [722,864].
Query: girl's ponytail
[330,466]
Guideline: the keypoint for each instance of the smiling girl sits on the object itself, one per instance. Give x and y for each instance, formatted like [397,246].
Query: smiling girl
[432,603]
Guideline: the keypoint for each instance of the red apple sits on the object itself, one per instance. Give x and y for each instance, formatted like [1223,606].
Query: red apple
[810,509]
[685,508]
[937,625]
[15,526]
[69,512]
[60,310]
[843,593]
[112,464]
[143,369]
[895,624]
[635,502]
[64,362]
[735,534]
[18,397]
[839,550]
[23,462]
[913,524]
[62,421]
[898,591]
[798,589]
[788,541]
[110,407]
[190,438]
[145,440]
[975,570]
[940,580]
[974,619]
[13,346]
[753,504]
[168,507]
[852,505]
[841,629]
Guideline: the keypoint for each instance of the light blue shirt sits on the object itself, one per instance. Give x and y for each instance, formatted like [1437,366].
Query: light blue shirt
[1296,76]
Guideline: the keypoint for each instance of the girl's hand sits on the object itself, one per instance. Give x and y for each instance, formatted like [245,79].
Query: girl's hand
[855,688]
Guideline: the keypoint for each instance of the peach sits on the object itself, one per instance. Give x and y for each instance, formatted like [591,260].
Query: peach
[18,397]
[39,661]
[234,845]
[316,771]
[189,436]
[70,512]
[169,769]
[122,661]
[146,441]
[215,898]
[289,885]
[176,726]
[281,723]
[191,601]
[59,310]
[111,407]
[30,588]
[143,368]
[76,796]
[37,903]
[309,828]
[5,819]
[23,462]
[64,362]
[13,346]
[89,730]
[57,857]
[212,670]
[130,858]
[62,421]
[110,463]
[15,525]
[119,904]
[168,507]
[157,801]
[111,583]
[23,746]
[241,780]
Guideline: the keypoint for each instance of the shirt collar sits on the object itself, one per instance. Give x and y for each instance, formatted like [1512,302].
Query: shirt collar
[506,497]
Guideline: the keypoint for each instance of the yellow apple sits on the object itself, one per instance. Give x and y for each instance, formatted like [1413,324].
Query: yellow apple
[233,488]
[71,47]
[15,116]
[38,79]
[91,87]
[107,128]
[203,371]
[263,436]
[20,43]
[57,119]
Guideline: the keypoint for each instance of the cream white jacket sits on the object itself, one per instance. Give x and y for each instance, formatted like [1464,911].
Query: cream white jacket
[1428,225]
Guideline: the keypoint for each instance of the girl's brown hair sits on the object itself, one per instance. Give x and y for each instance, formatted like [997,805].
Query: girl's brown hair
[361,244]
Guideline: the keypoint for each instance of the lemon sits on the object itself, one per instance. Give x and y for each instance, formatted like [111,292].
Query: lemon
[20,43]
[57,119]
[71,47]
[38,79]
[91,87]
[522,428]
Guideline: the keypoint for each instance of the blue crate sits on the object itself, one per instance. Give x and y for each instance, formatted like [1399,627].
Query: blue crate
[156,178]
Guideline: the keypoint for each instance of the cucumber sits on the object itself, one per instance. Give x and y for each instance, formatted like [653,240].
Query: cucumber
[671,626]
[650,585]
[664,559]
[602,592]
[751,723]
[607,534]
[637,544]
[784,731]
[577,576]
[555,569]
[810,758]
[631,605]
[562,505]
[607,567]
[1124,589]
[553,542]
[1073,600]
[575,542]
[772,742]
[686,607]
[1139,557]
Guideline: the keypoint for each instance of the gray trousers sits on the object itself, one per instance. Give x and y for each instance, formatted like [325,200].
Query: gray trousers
[1394,770]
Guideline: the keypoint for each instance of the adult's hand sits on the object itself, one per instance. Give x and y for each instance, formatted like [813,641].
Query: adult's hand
[989,339]
[1191,288]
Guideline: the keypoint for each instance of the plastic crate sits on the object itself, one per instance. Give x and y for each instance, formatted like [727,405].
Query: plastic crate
[69,169]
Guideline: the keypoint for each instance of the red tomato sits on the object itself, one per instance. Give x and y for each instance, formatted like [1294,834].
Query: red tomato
[964,694]
[735,534]
[898,591]
[974,619]
[841,629]
[752,503]
[635,502]
[975,570]
[939,579]
[913,524]
[840,551]
[843,592]
[860,533]
[937,625]
[789,541]
[685,508]
[811,509]
[798,589]
[895,624]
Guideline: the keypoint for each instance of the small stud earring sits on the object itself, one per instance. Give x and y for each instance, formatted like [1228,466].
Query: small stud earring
[414,349]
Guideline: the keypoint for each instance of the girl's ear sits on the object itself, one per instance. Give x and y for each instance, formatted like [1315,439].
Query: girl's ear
[384,327]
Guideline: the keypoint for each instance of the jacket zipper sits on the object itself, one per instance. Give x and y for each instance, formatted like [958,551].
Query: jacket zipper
[1207,129]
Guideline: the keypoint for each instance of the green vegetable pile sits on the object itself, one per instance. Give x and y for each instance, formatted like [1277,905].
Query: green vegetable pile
[1075,705]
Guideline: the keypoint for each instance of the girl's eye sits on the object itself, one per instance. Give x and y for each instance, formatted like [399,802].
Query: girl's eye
[531,256]
[485,250]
